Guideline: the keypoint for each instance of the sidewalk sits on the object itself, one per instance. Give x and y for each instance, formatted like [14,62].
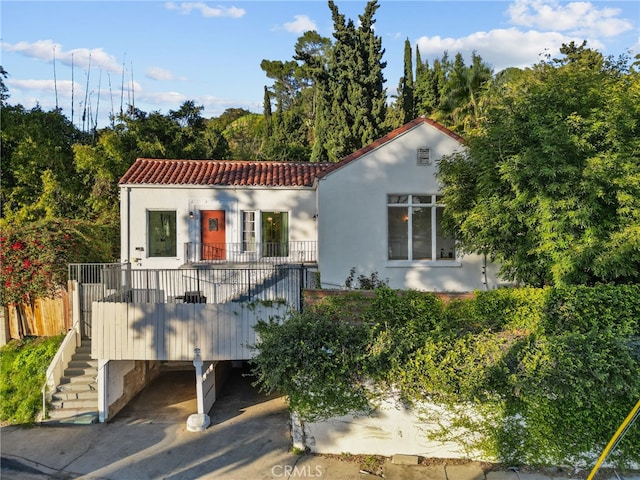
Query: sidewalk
[248,440]
[251,446]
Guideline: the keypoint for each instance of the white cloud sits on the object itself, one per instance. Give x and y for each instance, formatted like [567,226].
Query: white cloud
[635,49]
[48,87]
[300,24]
[500,48]
[82,58]
[577,18]
[158,73]
[185,8]
[547,25]
[161,98]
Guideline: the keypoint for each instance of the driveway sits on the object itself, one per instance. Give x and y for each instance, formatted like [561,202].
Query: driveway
[249,438]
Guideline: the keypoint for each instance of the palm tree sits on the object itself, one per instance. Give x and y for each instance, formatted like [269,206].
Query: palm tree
[462,103]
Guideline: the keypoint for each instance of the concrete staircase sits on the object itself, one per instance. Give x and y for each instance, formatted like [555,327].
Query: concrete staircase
[76,398]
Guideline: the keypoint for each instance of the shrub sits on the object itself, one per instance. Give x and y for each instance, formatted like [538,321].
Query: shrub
[614,309]
[316,361]
[552,371]
[34,256]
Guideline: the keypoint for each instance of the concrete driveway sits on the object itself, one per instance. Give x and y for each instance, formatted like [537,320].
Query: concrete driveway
[249,438]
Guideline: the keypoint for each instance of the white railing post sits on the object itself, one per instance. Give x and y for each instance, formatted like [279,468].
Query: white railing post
[103,390]
[198,421]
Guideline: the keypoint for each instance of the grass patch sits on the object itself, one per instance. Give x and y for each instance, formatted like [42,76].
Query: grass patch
[23,366]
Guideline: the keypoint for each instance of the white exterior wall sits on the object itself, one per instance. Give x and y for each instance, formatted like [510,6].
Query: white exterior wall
[136,200]
[392,429]
[352,223]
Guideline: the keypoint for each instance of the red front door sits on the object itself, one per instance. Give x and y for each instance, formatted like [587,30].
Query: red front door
[212,235]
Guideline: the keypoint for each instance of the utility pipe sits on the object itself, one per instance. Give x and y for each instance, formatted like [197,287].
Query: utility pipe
[614,440]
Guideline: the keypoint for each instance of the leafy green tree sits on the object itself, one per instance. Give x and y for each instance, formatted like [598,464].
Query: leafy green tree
[245,137]
[550,186]
[295,92]
[38,171]
[229,116]
[101,165]
[217,146]
[312,52]
[266,111]
[286,86]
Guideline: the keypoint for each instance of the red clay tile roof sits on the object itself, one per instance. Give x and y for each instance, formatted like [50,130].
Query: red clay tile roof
[389,136]
[147,171]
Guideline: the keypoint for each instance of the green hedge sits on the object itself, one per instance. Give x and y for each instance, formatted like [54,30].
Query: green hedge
[553,371]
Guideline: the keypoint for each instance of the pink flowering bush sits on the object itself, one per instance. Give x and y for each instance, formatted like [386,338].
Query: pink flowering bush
[34,256]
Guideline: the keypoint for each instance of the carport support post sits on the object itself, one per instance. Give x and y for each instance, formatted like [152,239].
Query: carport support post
[198,421]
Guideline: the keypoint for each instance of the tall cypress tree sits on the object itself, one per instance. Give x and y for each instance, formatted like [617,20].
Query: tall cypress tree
[373,109]
[352,103]
[408,106]
[266,106]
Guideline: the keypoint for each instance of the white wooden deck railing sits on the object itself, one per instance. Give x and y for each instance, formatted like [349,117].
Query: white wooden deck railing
[171,331]
[270,253]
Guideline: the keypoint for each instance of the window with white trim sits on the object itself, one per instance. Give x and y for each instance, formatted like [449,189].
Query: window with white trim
[414,223]
[249,231]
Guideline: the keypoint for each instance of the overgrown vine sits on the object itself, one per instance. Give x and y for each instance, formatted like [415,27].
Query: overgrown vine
[535,376]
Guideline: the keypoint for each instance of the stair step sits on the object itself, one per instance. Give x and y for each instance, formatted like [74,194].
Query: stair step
[88,415]
[76,394]
[83,363]
[81,372]
[75,400]
[80,385]
[78,379]
[73,405]
[83,357]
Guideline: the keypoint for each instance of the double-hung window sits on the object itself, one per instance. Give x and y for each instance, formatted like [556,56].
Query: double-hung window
[415,228]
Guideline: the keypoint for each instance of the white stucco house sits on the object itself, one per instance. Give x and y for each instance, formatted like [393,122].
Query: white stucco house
[176,212]
[378,210]
[210,247]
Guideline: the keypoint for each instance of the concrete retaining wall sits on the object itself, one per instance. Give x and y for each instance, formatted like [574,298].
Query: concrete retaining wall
[392,429]
[124,379]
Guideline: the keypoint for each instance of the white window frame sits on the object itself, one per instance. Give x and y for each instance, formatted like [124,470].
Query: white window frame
[436,258]
[243,241]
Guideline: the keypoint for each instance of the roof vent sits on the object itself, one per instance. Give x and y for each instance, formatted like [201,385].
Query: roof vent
[424,156]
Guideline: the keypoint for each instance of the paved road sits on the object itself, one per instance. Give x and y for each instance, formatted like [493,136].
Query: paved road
[248,440]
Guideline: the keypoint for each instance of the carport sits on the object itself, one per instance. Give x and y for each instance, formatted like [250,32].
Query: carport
[171,397]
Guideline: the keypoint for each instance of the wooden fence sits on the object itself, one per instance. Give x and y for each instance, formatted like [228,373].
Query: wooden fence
[46,317]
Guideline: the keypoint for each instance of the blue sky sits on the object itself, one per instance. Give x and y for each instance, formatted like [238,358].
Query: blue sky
[210,52]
